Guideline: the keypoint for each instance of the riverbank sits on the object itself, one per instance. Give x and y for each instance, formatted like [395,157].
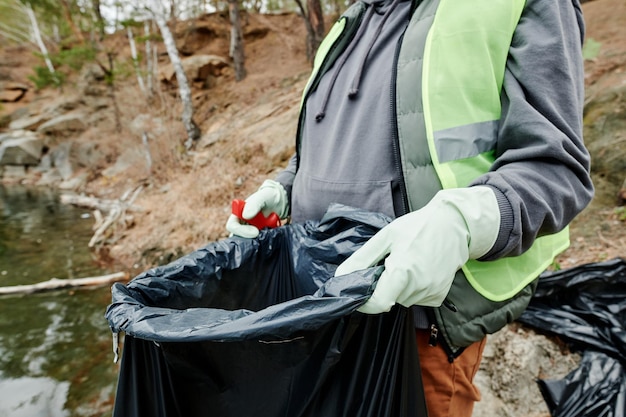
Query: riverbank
[56,357]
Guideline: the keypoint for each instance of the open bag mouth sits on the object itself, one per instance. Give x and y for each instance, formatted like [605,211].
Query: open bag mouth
[262,327]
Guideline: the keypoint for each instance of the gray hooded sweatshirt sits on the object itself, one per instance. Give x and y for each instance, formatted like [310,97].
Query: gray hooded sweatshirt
[541,173]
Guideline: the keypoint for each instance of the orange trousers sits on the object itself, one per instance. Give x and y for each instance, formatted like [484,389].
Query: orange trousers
[448,386]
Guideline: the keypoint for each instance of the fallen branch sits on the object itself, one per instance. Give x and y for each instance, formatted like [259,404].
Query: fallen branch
[606,241]
[55,284]
[102,226]
[98,203]
[115,211]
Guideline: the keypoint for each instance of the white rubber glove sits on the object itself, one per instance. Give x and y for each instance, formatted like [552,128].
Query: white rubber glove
[427,247]
[271,197]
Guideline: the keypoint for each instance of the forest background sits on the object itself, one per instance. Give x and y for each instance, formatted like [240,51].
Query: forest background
[157,114]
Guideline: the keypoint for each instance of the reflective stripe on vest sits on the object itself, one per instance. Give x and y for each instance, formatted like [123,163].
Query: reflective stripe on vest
[464,62]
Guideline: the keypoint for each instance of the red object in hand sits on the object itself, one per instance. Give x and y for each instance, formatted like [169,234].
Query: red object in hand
[259,221]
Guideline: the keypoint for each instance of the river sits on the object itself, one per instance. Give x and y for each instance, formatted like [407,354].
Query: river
[55,347]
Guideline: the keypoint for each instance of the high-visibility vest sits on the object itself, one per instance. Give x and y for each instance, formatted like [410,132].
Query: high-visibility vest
[463,70]
[461,80]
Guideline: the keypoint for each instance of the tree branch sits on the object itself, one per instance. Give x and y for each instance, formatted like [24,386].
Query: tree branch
[55,284]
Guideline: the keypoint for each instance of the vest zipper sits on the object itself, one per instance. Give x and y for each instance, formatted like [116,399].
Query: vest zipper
[395,140]
[434,334]
[435,337]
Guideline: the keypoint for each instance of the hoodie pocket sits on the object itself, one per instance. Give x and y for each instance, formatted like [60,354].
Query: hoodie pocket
[311,196]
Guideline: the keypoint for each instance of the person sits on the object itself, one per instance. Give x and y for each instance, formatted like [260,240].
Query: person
[461,121]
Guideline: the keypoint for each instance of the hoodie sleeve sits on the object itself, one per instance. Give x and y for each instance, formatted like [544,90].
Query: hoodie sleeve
[541,175]
[287,176]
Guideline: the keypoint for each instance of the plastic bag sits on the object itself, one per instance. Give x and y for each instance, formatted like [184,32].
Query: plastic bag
[260,327]
[586,307]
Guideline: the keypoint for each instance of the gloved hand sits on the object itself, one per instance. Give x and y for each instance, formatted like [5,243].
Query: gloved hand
[271,197]
[425,248]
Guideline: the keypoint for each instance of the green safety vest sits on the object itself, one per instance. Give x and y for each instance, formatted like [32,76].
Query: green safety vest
[463,69]
[464,62]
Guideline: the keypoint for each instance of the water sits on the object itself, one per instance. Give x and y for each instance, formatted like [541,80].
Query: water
[55,348]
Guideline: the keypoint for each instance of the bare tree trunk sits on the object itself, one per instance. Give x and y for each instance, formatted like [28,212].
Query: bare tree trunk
[317,24]
[56,33]
[37,35]
[149,67]
[110,80]
[156,86]
[314,24]
[193,132]
[173,12]
[67,13]
[118,9]
[236,40]
[118,121]
[99,19]
[133,53]
[146,147]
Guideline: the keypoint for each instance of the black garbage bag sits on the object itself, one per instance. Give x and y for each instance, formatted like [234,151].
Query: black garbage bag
[260,327]
[596,388]
[585,307]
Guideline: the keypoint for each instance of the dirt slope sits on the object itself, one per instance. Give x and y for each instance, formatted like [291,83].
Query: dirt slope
[248,130]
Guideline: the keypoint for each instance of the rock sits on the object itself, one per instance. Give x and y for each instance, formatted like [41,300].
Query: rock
[146,123]
[60,156]
[91,73]
[87,154]
[621,194]
[64,125]
[13,173]
[29,123]
[95,90]
[96,102]
[17,134]
[129,158]
[45,163]
[74,183]
[50,177]
[24,150]
[93,87]
[62,161]
[11,96]
[62,105]
[489,404]
[514,358]
[199,36]
[196,67]
[605,134]
[13,92]
[19,113]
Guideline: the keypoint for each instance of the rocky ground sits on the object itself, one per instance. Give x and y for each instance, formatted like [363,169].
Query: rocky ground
[180,200]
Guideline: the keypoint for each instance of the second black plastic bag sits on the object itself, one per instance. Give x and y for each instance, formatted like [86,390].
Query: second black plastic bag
[260,327]
[585,306]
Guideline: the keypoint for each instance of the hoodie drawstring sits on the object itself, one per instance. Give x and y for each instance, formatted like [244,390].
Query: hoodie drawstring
[354,89]
[368,15]
[357,79]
